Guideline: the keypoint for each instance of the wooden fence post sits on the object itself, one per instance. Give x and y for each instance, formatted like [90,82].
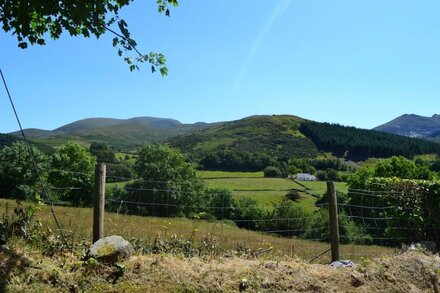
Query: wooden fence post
[333,219]
[99,201]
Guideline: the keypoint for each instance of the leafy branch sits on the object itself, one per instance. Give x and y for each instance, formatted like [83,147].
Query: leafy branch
[31,20]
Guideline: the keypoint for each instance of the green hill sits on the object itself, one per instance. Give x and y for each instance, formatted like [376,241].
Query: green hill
[114,132]
[276,135]
[263,137]
[284,136]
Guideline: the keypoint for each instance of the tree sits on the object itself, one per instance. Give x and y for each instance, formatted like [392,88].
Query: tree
[31,21]
[169,185]
[18,177]
[102,153]
[72,167]
[272,172]
[220,202]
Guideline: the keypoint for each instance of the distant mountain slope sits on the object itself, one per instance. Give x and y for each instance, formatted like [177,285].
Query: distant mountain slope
[114,132]
[88,124]
[412,125]
[8,140]
[291,136]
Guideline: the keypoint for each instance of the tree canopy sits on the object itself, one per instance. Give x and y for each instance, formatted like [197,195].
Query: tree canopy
[18,177]
[166,179]
[72,167]
[31,21]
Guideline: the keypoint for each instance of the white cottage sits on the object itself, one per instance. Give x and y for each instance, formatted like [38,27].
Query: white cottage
[305,177]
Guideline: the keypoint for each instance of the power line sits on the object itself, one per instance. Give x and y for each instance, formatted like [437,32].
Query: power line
[28,147]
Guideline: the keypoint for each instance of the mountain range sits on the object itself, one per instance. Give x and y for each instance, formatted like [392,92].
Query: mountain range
[115,132]
[412,125]
[282,136]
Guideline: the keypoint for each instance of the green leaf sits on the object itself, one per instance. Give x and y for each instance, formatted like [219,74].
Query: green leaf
[164,71]
[23,45]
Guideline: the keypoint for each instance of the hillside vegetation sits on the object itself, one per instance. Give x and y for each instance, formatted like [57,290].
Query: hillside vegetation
[276,135]
[8,140]
[256,139]
[286,136]
[361,144]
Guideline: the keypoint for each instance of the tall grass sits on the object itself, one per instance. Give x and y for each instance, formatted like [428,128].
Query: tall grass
[79,221]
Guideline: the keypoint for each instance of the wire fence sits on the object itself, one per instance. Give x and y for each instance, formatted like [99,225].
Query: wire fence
[371,223]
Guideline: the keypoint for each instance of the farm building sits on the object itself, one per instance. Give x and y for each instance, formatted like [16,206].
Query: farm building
[305,177]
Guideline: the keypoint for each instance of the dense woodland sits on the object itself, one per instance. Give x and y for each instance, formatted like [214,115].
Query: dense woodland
[361,144]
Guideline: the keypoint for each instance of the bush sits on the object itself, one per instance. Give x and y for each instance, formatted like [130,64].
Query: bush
[247,210]
[321,175]
[119,172]
[333,175]
[350,232]
[272,172]
[412,208]
[102,153]
[220,202]
[294,218]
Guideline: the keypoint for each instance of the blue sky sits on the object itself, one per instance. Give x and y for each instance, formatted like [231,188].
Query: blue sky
[359,63]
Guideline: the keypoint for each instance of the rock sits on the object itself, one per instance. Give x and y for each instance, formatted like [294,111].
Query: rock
[429,246]
[342,263]
[110,249]
[272,265]
[356,280]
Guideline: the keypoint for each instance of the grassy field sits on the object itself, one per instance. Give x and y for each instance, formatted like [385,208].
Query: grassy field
[268,191]
[121,157]
[78,221]
[225,174]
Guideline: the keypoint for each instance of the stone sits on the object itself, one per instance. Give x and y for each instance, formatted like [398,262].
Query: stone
[110,249]
[429,246]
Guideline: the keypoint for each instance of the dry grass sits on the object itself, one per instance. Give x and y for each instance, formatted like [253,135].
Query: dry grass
[25,270]
[79,221]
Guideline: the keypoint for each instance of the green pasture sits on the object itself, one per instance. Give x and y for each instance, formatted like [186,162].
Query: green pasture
[268,191]
[225,174]
[121,157]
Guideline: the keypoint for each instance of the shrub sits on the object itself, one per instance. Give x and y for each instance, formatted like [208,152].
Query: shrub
[321,175]
[293,218]
[272,172]
[247,210]
[350,232]
[220,202]
[119,172]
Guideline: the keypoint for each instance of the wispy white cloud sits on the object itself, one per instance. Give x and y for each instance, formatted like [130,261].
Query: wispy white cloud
[279,9]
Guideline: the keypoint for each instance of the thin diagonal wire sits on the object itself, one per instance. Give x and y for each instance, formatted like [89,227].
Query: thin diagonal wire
[43,187]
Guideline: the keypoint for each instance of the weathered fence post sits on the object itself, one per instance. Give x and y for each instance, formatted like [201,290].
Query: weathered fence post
[99,201]
[333,219]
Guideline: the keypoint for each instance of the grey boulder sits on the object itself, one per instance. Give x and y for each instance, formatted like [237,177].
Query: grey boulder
[110,249]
